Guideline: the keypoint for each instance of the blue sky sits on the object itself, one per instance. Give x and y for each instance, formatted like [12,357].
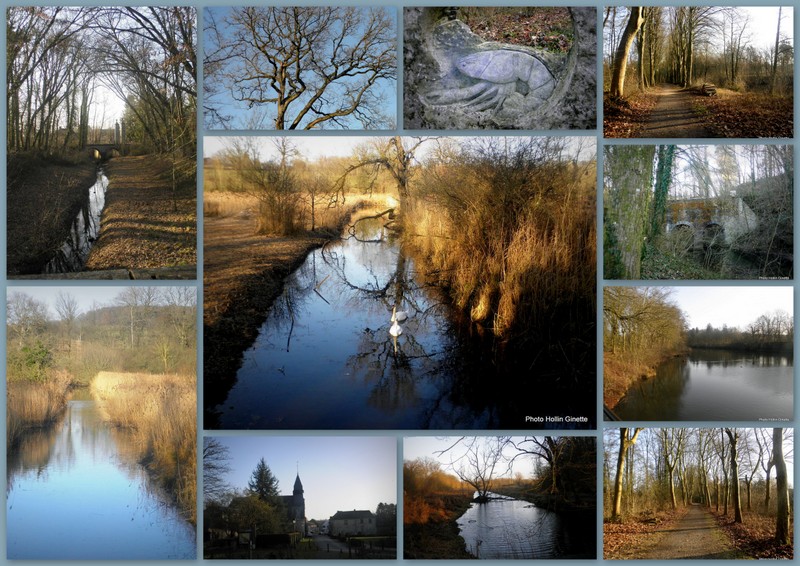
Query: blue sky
[86,297]
[261,117]
[338,473]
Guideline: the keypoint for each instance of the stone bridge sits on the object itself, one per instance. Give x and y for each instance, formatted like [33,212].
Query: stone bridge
[102,151]
[710,220]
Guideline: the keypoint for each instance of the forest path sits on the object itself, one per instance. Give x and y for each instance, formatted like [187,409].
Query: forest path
[696,535]
[147,223]
[673,116]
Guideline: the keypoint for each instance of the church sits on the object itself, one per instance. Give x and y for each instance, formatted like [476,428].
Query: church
[295,506]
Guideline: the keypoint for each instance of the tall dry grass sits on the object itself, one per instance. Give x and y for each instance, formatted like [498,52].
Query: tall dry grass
[160,412]
[34,403]
[533,270]
[226,204]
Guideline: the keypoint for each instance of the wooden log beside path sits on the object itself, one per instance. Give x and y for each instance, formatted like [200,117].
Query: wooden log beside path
[708,89]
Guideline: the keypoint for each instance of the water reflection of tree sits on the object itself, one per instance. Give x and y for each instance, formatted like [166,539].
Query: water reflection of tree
[393,365]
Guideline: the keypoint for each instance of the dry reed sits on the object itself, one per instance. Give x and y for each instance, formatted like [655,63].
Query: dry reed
[515,275]
[160,413]
[226,204]
[32,404]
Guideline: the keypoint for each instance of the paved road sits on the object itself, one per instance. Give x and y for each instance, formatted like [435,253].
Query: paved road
[673,117]
[695,536]
[330,545]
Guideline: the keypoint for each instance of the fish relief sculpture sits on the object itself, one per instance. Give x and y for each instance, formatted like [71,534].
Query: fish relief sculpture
[500,73]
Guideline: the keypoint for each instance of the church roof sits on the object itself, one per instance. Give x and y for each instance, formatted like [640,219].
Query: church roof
[298,485]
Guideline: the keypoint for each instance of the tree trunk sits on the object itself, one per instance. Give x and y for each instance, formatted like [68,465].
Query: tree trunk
[621,58]
[775,56]
[663,181]
[782,531]
[624,444]
[640,41]
[733,437]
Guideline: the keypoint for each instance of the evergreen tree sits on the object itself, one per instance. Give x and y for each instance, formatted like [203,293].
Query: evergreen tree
[263,483]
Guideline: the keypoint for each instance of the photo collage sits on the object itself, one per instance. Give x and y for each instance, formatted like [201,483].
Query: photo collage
[399,282]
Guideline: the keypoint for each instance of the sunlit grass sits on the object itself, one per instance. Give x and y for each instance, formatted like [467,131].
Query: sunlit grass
[34,403]
[537,274]
[227,204]
[160,413]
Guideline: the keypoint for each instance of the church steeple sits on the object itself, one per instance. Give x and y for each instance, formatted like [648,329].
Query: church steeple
[298,485]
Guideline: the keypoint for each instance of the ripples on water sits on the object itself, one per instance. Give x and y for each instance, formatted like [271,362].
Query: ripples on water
[510,528]
[73,494]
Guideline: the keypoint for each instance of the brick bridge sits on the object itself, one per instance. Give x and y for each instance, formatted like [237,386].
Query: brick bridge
[710,220]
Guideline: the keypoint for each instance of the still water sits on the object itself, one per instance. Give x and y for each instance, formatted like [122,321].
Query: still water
[73,493]
[85,227]
[325,357]
[509,528]
[714,385]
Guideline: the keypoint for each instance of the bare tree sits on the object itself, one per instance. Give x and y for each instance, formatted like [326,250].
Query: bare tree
[215,467]
[635,21]
[394,155]
[733,438]
[774,72]
[26,316]
[626,441]
[765,449]
[477,462]
[307,67]
[783,533]
[67,309]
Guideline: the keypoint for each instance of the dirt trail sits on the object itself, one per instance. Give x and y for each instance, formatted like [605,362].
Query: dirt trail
[673,117]
[696,536]
[146,224]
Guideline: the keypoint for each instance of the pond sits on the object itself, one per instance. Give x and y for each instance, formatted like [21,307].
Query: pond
[74,252]
[714,385]
[74,493]
[325,357]
[505,528]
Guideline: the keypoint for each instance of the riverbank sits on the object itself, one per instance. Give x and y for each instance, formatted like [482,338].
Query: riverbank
[243,274]
[43,198]
[159,413]
[31,404]
[620,373]
[148,222]
[438,538]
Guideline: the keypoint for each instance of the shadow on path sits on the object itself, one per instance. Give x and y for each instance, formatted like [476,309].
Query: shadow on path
[696,536]
[673,117]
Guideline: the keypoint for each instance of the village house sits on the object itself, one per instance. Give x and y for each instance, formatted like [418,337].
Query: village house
[348,523]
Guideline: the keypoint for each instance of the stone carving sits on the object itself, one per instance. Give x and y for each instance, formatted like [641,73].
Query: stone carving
[499,74]
[454,79]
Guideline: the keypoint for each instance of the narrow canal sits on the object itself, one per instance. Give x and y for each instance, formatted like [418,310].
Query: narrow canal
[327,356]
[327,338]
[85,227]
[74,493]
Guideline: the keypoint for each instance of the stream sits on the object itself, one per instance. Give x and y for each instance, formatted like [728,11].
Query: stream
[503,528]
[75,492]
[83,233]
[325,357]
[327,339]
